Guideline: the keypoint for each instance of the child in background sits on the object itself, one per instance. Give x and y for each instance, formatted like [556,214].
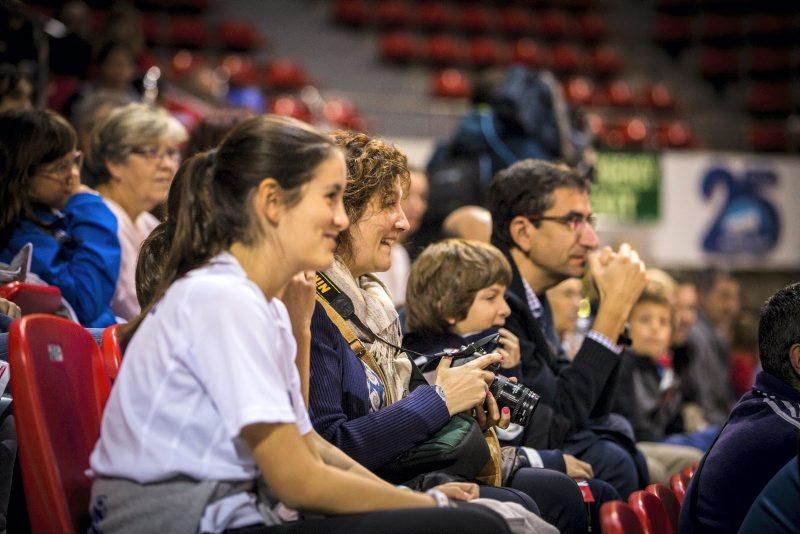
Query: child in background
[647,393]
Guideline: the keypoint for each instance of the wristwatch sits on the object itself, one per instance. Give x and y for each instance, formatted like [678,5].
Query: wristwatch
[439,391]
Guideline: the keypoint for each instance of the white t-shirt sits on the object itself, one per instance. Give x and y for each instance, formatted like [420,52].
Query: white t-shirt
[213,356]
[131,236]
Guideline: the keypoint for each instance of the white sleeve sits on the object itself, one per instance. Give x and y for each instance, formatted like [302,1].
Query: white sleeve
[237,357]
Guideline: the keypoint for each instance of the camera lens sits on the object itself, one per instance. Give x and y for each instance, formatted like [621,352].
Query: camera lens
[520,399]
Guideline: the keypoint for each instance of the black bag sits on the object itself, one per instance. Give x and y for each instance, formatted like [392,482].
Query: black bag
[458,449]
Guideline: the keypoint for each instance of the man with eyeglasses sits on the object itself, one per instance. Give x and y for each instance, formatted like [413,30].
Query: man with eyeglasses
[544,224]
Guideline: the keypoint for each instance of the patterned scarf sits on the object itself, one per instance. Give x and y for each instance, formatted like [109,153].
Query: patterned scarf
[373,306]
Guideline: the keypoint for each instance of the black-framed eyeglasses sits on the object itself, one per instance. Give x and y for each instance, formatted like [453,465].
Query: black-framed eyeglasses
[62,171]
[574,221]
[155,154]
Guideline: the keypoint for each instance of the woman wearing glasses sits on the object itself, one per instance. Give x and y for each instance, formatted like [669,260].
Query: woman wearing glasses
[135,154]
[74,235]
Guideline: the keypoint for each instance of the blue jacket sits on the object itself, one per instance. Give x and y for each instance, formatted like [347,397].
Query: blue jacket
[339,403]
[79,253]
[758,439]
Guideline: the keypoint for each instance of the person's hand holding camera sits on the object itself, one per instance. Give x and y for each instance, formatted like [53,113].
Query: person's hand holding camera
[489,414]
[620,279]
[465,386]
[509,348]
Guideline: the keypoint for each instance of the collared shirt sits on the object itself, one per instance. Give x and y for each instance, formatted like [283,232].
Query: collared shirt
[537,310]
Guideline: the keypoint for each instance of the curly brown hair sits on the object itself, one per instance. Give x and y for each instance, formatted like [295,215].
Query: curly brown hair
[374,167]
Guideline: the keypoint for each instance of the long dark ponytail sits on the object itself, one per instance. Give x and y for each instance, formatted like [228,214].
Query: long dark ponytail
[211,204]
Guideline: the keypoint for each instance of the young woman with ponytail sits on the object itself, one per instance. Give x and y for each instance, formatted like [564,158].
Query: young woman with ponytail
[207,406]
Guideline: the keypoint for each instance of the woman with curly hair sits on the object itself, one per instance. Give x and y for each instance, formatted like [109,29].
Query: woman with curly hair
[365,404]
[74,235]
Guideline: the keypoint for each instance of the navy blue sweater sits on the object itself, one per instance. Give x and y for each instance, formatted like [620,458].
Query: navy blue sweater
[339,403]
[758,439]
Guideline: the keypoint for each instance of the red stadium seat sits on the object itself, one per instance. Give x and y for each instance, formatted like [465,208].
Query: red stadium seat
[451,83]
[475,19]
[769,99]
[151,28]
[351,12]
[399,47]
[674,134]
[678,486]
[285,74]
[688,472]
[616,517]
[528,52]
[554,25]
[486,52]
[721,30]
[579,90]
[60,388]
[719,64]
[239,35]
[112,350]
[658,96]
[592,27]
[770,63]
[619,94]
[769,136]
[445,50]
[651,513]
[393,14]
[189,31]
[434,16]
[605,61]
[514,21]
[567,59]
[290,106]
[32,298]
[673,33]
[342,113]
[184,62]
[668,501]
[241,69]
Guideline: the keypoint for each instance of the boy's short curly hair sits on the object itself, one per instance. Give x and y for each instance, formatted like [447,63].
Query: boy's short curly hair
[445,279]
[374,167]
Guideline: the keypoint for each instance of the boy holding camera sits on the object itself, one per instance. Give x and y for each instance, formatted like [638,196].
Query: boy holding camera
[455,297]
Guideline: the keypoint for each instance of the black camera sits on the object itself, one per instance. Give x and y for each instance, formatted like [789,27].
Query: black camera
[520,399]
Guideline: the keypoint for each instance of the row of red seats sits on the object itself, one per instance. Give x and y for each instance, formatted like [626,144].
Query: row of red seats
[727,30]
[690,7]
[473,18]
[480,52]
[655,510]
[773,136]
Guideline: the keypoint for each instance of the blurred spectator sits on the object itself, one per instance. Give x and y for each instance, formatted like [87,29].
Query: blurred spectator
[469,222]
[760,436]
[75,244]
[565,302]
[124,25]
[208,133]
[647,392]
[16,90]
[414,206]
[686,303]
[709,369]
[744,352]
[135,154]
[114,72]
[71,54]
[90,112]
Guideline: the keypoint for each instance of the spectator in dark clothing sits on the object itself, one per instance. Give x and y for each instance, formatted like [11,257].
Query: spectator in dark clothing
[543,222]
[760,435]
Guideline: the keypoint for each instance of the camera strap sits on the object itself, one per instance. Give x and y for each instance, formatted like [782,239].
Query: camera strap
[340,310]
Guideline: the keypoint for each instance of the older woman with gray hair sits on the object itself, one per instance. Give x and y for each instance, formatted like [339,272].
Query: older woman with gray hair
[135,154]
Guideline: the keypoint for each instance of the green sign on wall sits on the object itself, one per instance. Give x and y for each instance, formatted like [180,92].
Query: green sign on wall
[627,185]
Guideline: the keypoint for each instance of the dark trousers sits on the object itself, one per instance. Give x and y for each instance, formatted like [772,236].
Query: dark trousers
[611,463]
[557,496]
[465,518]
